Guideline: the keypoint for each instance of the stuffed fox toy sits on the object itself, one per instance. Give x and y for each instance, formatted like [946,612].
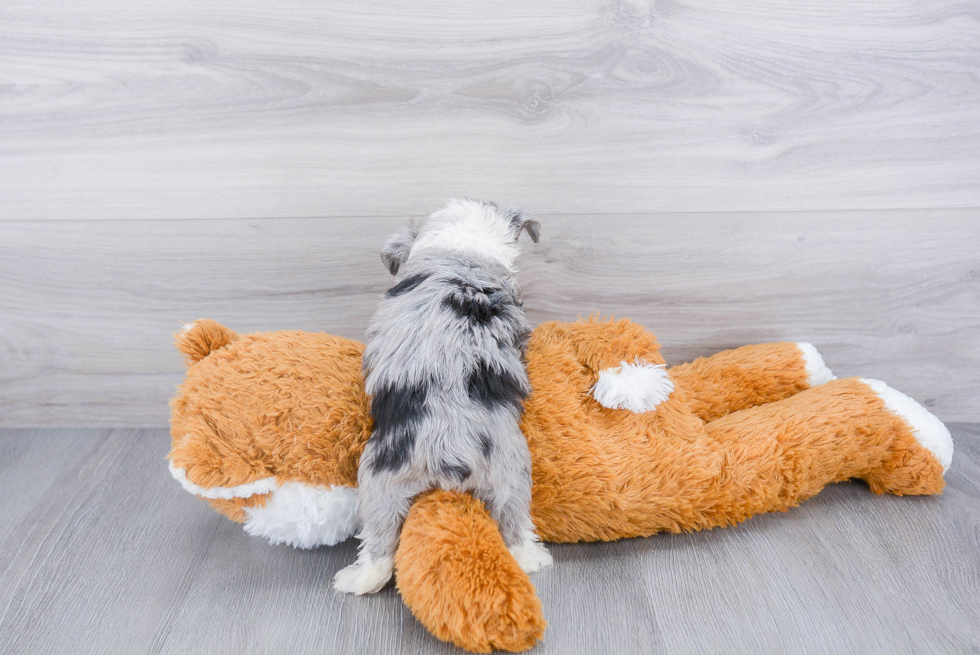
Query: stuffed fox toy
[269,428]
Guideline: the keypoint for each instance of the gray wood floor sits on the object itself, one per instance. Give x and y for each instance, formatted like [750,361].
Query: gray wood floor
[101,552]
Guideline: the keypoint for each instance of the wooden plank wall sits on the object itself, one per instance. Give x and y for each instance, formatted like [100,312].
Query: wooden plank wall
[722,172]
[87,313]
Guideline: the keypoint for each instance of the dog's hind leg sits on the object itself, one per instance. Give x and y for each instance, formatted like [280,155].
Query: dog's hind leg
[509,502]
[383,505]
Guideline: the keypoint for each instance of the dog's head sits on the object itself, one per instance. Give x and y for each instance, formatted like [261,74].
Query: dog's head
[472,226]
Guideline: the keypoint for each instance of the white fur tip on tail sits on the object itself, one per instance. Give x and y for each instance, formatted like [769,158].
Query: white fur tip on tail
[816,371]
[638,387]
[928,430]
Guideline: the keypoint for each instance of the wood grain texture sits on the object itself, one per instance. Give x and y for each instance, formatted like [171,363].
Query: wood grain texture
[220,109]
[87,308]
[103,552]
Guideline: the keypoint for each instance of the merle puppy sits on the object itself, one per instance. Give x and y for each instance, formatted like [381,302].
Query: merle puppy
[444,369]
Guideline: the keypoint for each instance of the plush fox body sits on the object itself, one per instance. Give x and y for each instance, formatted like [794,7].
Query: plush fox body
[270,429]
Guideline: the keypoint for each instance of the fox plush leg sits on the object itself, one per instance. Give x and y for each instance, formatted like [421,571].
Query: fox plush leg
[456,575]
[779,454]
[748,376]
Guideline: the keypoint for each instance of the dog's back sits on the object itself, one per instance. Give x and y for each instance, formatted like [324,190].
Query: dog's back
[444,370]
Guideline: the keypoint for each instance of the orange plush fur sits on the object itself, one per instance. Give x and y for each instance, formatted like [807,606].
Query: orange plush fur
[289,404]
[741,434]
[454,570]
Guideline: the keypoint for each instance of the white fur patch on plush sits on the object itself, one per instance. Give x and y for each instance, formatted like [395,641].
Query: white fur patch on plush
[262,486]
[638,387]
[305,516]
[532,556]
[817,372]
[366,576]
[926,426]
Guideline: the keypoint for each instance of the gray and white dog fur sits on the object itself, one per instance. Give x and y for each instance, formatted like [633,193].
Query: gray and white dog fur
[444,366]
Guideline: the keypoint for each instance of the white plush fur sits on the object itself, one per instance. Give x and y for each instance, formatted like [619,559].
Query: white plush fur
[926,427]
[366,576]
[304,516]
[816,371]
[638,387]
[262,486]
[297,514]
[476,228]
[532,556]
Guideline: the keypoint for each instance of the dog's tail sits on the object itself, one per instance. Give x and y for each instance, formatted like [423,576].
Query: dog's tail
[202,337]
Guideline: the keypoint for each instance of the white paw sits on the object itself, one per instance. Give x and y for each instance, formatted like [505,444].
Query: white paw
[637,387]
[366,576]
[927,429]
[532,556]
[817,372]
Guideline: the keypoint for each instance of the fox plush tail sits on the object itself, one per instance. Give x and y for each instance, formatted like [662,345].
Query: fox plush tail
[199,339]
[460,581]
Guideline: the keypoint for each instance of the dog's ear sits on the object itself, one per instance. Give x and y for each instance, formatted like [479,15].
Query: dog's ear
[533,229]
[522,221]
[399,245]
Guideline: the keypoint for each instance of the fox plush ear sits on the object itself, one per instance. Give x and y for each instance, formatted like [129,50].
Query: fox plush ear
[522,221]
[399,245]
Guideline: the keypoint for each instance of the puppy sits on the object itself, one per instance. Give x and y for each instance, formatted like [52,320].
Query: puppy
[444,368]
